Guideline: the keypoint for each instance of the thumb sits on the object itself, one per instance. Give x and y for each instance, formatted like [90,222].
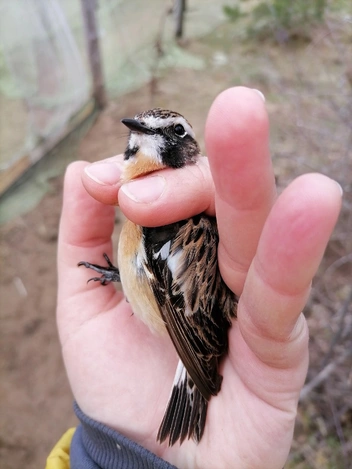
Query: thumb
[86,227]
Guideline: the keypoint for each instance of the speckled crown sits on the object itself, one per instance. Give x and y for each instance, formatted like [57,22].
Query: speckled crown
[160,113]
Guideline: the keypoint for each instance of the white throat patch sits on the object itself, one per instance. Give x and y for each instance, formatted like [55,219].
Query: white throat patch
[150,145]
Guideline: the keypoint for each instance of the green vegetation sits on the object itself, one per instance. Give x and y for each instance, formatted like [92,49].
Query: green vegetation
[281,18]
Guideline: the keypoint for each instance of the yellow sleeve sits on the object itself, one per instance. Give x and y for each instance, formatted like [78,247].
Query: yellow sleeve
[59,457]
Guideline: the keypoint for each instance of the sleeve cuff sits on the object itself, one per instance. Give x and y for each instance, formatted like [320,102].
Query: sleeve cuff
[59,457]
[96,446]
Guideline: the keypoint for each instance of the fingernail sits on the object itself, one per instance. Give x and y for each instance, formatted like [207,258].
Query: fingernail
[145,190]
[341,190]
[106,174]
[260,94]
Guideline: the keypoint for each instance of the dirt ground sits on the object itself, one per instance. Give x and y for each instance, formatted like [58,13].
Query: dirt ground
[36,402]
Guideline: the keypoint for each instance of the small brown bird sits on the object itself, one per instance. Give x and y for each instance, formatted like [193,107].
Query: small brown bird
[171,278]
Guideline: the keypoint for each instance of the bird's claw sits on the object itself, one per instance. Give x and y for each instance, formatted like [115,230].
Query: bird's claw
[109,273]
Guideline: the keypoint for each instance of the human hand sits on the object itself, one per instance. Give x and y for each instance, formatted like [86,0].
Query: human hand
[270,248]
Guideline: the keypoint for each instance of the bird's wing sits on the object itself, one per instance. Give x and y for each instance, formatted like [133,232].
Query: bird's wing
[194,302]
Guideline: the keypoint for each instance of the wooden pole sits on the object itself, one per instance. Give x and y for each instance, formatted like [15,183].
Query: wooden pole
[180,8]
[92,38]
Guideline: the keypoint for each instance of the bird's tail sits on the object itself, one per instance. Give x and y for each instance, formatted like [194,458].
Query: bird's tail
[186,411]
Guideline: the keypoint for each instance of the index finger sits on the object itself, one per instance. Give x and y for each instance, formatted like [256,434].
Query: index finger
[237,141]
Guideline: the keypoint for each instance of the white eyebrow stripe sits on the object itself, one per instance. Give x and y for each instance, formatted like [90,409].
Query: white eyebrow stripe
[159,122]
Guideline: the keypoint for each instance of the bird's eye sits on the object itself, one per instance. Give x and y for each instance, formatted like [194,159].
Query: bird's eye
[179,130]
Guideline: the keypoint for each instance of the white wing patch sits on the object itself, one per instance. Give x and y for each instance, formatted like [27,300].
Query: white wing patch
[164,252]
[173,263]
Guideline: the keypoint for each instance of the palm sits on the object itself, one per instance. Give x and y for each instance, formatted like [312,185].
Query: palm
[121,374]
[113,360]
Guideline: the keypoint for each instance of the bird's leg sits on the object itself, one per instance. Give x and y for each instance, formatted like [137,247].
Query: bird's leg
[109,273]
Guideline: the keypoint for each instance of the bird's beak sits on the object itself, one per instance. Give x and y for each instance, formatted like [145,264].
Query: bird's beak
[136,126]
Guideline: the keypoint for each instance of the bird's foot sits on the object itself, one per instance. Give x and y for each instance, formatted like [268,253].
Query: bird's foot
[109,273]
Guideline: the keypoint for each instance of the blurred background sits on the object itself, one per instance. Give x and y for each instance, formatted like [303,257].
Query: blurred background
[69,71]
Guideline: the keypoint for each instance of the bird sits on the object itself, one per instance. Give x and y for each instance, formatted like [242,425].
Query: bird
[171,278]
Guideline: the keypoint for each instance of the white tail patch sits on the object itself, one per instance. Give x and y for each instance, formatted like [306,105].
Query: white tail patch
[180,375]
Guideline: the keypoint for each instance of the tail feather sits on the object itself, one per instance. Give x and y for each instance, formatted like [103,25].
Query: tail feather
[186,411]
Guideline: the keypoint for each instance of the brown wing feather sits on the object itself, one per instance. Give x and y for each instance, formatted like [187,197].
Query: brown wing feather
[194,302]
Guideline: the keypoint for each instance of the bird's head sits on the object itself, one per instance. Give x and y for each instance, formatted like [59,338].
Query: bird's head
[158,139]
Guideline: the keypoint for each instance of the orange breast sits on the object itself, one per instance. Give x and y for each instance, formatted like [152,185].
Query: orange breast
[140,166]
[134,279]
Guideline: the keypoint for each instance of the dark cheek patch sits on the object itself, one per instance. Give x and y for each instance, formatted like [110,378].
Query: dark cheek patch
[177,155]
[173,157]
